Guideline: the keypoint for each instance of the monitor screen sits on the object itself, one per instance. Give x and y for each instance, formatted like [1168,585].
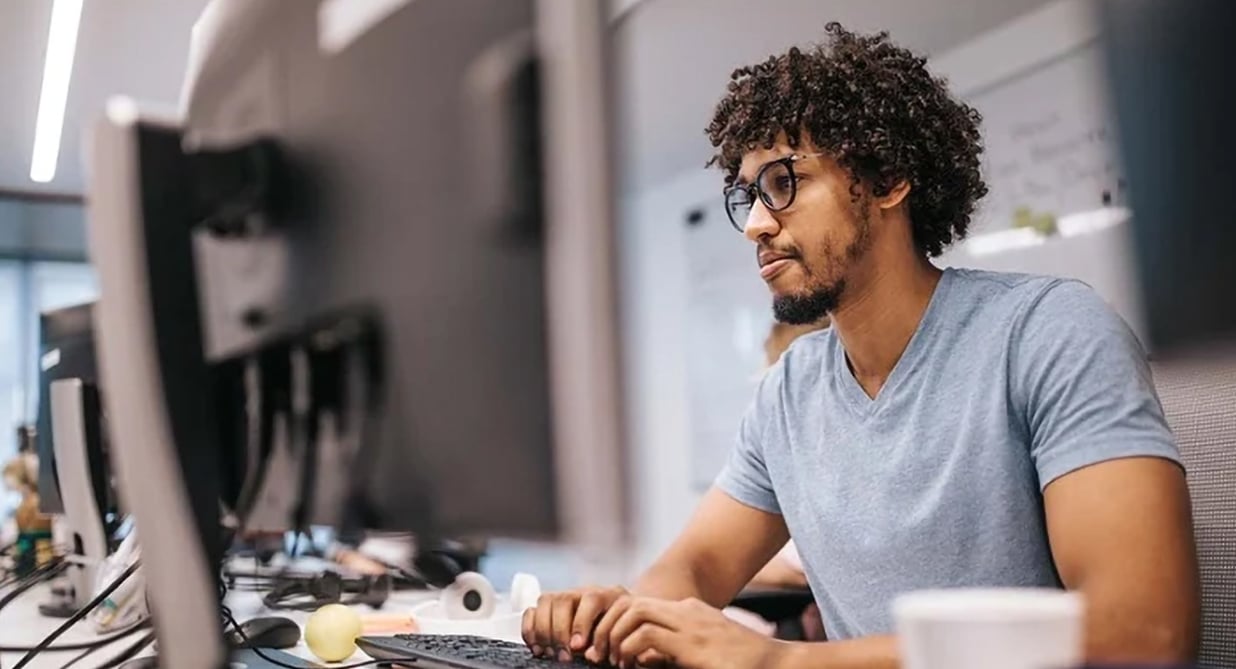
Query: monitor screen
[66,351]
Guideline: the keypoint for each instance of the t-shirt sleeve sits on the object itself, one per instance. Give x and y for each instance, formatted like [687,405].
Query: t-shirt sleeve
[745,476]
[1085,384]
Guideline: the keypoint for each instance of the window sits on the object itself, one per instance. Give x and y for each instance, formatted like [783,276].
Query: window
[27,289]
[52,285]
[13,331]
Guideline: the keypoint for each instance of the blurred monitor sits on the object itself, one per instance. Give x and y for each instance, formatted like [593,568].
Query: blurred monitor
[74,477]
[1170,64]
[66,351]
[367,280]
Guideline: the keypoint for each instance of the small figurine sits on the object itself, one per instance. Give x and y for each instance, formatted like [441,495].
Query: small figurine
[34,529]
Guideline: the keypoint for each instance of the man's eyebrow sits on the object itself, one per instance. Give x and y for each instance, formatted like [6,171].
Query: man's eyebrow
[740,180]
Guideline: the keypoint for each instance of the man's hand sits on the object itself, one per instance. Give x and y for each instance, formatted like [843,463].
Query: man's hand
[688,634]
[561,623]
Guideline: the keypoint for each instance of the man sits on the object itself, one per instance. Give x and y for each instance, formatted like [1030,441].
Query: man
[953,428]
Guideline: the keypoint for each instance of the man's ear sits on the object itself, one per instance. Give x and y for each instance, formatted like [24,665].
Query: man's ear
[896,195]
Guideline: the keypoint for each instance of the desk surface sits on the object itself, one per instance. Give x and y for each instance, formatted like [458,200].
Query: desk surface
[21,624]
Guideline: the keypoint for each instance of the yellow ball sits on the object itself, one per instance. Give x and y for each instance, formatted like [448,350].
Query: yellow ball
[331,632]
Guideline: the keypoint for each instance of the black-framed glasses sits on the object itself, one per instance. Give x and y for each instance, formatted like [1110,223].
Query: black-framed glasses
[775,185]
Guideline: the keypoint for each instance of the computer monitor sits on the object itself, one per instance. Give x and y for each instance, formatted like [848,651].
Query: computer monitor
[374,265]
[66,351]
[74,482]
[1169,63]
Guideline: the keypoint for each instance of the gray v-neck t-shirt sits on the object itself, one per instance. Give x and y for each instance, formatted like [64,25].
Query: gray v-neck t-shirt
[1010,382]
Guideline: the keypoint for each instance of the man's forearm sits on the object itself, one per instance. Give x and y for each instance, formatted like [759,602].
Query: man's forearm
[874,652]
[1127,624]
[671,581]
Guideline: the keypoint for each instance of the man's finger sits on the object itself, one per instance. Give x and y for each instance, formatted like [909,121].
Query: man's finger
[542,625]
[600,636]
[590,608]
[649,638]
[652,658]
[655,611]
[562,617]
[527,627]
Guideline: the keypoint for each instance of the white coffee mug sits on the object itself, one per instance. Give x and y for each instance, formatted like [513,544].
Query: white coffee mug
[1009,628]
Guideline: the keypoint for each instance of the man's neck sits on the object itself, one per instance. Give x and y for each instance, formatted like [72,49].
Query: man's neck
[877,319]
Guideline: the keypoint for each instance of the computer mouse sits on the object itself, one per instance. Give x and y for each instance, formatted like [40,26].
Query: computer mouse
[269,632]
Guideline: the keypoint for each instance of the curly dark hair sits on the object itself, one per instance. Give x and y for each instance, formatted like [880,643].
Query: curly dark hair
[875,108]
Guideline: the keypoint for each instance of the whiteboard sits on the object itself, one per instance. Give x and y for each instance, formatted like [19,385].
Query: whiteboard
[1050,141]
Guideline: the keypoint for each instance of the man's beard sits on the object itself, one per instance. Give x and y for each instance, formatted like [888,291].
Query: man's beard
[811,306]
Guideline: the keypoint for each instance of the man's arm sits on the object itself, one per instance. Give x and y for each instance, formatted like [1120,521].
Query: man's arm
[1117,508]
[736,530]
[724,544]
[1121,533]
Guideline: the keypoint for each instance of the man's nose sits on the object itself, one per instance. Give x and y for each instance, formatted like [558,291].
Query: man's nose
[760,223]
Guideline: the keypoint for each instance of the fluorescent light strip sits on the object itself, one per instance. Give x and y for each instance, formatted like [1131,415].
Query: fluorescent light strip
[57,70]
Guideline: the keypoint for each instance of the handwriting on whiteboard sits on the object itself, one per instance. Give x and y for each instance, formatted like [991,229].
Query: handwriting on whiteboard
[1050,146]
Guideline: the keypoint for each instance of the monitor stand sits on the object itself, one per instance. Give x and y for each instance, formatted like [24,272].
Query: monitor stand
[81,474]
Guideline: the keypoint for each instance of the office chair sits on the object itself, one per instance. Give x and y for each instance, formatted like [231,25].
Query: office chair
[783,607]
[1199,399]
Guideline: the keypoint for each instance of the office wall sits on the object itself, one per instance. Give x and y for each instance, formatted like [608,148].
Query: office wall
[658,261]
[655,303]
[42,230]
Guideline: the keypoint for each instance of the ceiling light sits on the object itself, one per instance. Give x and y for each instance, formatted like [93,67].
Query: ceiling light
[57,69]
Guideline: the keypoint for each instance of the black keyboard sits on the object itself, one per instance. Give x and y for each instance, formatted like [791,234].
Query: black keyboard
[458,650]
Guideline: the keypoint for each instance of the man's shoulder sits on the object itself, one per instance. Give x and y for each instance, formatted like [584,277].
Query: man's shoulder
[1010,297]
[1006,286]
[1031,295]
[1043,314]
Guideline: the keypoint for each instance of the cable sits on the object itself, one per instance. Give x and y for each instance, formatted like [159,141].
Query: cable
[10,575]
[128,653]
[309,593]
[55,563]
[81,613]
[97,644]
[81,656]
[81,645]
[35,575]
[44,573]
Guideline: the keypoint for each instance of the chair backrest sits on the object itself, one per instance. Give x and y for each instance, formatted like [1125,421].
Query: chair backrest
[1199,399]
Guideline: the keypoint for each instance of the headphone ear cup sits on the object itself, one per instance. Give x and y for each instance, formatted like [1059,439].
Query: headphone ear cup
[382,587]
[327,588]
[374,591]
[470,597]
[438,568]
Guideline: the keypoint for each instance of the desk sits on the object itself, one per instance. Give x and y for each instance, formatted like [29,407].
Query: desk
[21,624]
